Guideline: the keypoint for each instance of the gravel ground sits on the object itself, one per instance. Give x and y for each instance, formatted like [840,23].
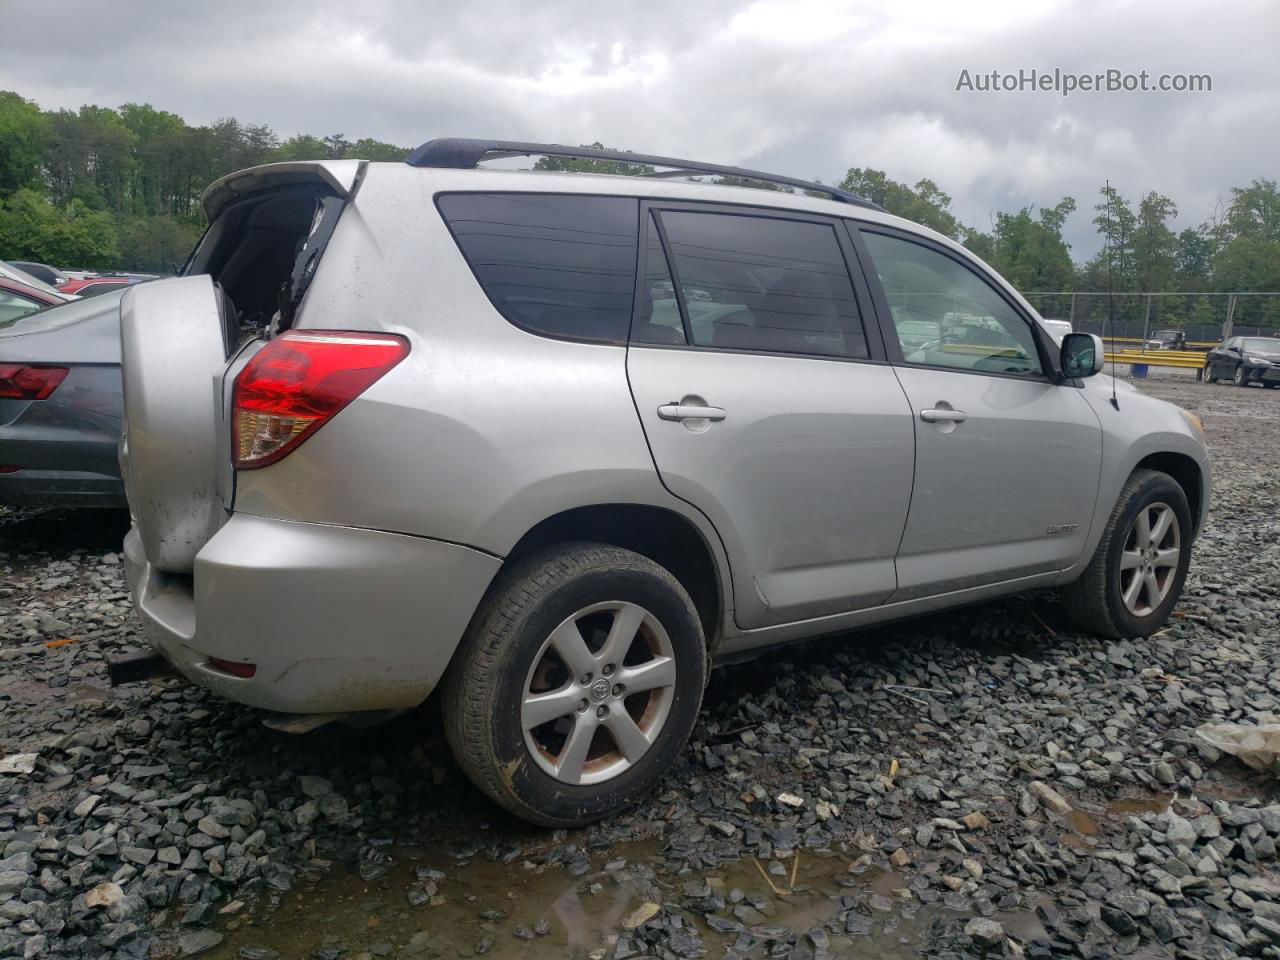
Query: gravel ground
[985,783]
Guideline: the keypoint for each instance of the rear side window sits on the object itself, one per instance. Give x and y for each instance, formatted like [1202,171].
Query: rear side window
[13,306]
[561,266]
[764,284]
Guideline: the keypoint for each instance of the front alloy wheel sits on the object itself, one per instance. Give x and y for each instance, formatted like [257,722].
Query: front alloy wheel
[1241,376]
[1149,560]
[1135,576]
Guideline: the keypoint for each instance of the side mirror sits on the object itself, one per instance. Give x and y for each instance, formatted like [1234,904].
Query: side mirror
[1082,355]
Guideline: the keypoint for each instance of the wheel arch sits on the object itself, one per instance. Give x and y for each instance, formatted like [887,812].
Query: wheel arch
[662,535]
[1186,473]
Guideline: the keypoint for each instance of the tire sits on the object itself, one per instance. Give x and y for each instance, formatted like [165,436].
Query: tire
[509,658]
[1096,601]
[1240,377]
[1208,374]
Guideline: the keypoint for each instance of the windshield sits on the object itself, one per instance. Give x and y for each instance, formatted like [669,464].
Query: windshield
[1261,345]
[13,273]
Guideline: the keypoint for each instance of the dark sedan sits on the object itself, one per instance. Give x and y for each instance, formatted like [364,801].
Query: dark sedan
[1244,360]
[61,405]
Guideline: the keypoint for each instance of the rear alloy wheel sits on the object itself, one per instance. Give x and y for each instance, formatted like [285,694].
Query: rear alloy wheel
[1208,374]
[1241,376]
[577,684]
[1135,577]
[589,714]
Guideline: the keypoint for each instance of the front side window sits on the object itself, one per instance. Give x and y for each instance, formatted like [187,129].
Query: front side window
[764,284]
[946,315]
[561,266]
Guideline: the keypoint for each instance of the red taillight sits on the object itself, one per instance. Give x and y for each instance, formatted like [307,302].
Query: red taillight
[21,382]
[298,381]
[242,670]
[9,468]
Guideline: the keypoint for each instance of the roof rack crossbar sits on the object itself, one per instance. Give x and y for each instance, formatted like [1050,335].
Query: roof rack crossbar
[463,153]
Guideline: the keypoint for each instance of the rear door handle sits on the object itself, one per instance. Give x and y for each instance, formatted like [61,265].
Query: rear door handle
[688,411]
[937,415]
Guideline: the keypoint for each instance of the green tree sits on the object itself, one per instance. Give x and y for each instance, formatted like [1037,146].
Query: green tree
[376,150]
[588,165]
[301,147]
[1155,247]
[925,203]
[1193,260]
[32,228]
[1113,266]
[1028,249]
[156,244]
[23,135]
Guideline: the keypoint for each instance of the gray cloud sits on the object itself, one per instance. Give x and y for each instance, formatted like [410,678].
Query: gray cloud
[808,88]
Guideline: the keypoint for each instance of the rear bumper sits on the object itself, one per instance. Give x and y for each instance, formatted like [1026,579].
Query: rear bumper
[335,619]
[61,488]
[66,454]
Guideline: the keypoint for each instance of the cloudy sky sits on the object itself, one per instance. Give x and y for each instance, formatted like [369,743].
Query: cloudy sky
[809,88]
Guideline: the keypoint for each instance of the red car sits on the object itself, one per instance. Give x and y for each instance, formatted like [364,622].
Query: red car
[18,299]
[92,286]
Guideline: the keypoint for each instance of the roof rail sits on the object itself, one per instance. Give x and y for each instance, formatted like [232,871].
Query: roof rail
[462,153]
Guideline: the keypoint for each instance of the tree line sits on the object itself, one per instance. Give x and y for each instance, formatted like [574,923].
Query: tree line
[1235,250]
[120,188]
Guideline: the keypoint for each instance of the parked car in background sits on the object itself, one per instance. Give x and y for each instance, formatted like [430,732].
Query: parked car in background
[61,406]
[1167,340]
[93,286]
[17,299]
[560,493]
[1057,328]
[1244,360]
[17,273]
[42,271]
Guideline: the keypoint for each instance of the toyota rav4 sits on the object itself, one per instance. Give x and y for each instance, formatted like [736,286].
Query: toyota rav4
[556,442]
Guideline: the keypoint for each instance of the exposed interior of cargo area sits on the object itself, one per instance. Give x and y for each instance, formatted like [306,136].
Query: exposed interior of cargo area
[268,230]
[184,342]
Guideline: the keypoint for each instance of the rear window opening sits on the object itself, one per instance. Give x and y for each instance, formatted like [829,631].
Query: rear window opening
[262,251]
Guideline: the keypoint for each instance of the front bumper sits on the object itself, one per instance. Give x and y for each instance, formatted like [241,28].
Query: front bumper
[1262,374]
[335,619]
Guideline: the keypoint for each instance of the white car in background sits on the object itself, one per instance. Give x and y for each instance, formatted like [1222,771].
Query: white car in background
[1057,328]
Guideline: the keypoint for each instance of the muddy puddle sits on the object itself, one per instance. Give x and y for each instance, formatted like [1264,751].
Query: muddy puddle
[508,910]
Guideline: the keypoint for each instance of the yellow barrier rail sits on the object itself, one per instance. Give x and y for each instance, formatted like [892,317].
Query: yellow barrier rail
[1200,345]
[1158,358]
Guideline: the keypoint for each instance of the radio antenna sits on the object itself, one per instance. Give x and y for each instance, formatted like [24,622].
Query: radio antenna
[1111,298]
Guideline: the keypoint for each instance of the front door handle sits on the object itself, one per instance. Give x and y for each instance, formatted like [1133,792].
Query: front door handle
[689,411]
[939,415]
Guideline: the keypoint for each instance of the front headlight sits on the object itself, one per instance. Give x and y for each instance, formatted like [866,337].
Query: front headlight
[1192,419]
[1259,361]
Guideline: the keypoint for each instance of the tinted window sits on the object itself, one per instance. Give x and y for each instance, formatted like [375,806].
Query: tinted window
[562,266]
[946,315]
[95,289]
[757,283]
[659,320]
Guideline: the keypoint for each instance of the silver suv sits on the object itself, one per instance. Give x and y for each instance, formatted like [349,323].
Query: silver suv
[556,442]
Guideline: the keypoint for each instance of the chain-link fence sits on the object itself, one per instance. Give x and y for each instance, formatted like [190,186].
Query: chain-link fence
[1201,317]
